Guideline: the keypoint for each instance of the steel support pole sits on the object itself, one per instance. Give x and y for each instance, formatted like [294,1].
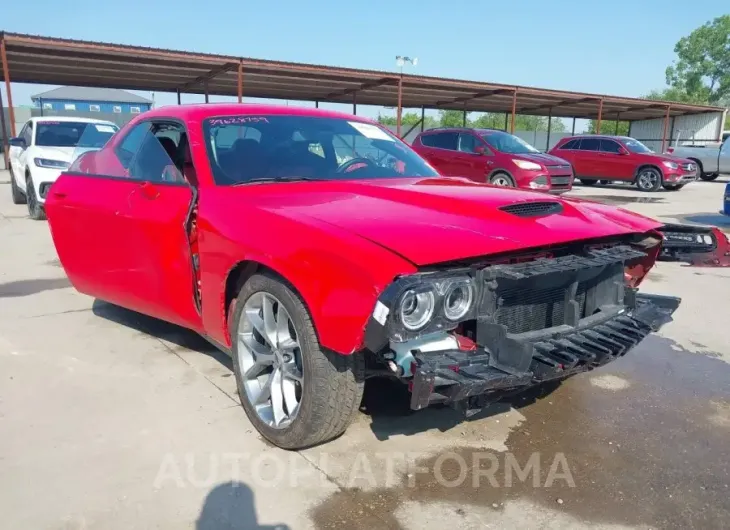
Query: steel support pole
[423,118]
[399,111]
[178,96]
[316,103]
[600,115]
[506,121]
[618,116]
[354,103]
[205,88]
[240,81]
[573,131]
[6,76]
[550,124]
[514,111]
[666,126]
[463,119]
[4,131]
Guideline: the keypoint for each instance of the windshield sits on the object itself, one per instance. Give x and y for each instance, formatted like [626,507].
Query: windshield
[73,134]
[508,143]
[635,146]
[254,148]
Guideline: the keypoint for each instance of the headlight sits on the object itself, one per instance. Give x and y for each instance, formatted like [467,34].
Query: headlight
[670,165]
[51,164]
[526,164]
[416,309]
[423,303]
[458,299]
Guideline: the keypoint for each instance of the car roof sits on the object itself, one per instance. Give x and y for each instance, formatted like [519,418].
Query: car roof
[597,136]
[75,119]
[457,129]
[201,111]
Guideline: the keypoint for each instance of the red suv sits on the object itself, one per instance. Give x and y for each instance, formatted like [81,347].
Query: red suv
[609,158]
[488,155]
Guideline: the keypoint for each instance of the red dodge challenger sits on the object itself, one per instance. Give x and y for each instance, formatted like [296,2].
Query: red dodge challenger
[318,249]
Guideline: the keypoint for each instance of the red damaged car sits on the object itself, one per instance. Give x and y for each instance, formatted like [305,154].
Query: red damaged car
[317,249]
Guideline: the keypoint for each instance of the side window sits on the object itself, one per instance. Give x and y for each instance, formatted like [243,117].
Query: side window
[444,140]
[131,143]
[590,144]
[28,133]
[467,142]
[572,144]
[609,146]
[156,157]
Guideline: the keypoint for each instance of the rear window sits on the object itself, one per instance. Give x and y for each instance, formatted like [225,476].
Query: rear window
[247,148]
[444,140]
[590,144]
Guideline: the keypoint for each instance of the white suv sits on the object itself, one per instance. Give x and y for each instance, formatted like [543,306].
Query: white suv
[44,149]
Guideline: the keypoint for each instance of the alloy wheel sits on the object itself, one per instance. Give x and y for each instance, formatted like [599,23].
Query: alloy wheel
[648,179]
[501,180]
[270,360]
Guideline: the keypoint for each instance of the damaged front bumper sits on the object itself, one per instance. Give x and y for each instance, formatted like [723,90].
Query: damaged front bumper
[701,246]
[471,379]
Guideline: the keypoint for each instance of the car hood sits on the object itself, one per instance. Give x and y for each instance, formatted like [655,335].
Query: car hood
[663,156]
[64,154]
[542,158]
[435,220]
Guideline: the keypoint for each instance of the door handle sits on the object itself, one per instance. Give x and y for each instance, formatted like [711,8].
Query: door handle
[59,194]
[149,191]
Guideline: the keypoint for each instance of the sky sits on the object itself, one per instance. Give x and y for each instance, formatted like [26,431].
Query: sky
[621,47]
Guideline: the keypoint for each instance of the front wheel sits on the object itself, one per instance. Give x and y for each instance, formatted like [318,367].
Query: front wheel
[15,191]
[35,210]
[709,176]
[649,179]
[294,392]
[502,179]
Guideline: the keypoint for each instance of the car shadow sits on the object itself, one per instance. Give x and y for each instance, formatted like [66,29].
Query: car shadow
[230,506]
[387,402]
[709,218]
[29,287]
[177,335]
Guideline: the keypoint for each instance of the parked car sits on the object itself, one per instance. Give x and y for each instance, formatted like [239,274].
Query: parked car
[711,161]
[624,159]
[726,200]
[45,148]
[318,249]
[496,157]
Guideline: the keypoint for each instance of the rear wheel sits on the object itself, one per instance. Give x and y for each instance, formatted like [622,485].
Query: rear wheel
[35,210]
[588,182]
[649,179]
[294,392]
[604,182]
[15,191]
[502,179]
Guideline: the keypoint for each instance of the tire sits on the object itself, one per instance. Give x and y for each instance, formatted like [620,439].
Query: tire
[330,387]
[673,187]
[649,179]
[35,210]
[15,191]
[709,176]
[604,182]
[588,182]
[503,180]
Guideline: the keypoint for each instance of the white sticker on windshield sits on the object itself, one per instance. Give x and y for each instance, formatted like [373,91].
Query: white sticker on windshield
[105,128]
[371,131]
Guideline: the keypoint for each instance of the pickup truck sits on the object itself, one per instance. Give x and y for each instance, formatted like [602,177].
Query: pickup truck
[711,160]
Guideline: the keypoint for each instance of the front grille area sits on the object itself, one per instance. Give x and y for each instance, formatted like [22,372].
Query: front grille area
[533,209]
[546,293]
[688,167]
[561,167]
[560,181]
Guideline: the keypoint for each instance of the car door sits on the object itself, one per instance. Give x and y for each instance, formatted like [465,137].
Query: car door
[586,158]
[724,160]
[121,234]
[472,165]
[613,161]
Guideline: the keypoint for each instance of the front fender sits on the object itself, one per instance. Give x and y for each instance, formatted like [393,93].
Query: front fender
[338,275]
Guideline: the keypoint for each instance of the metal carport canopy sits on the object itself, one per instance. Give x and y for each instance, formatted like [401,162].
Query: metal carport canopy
[36,59]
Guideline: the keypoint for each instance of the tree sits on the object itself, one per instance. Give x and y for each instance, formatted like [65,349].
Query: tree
[609,127]
[408,119]
[701,71]
[453,118]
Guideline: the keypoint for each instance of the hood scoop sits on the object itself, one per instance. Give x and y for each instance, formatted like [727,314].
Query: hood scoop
[533,208]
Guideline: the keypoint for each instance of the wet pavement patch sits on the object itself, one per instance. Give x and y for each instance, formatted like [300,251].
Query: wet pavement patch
[29,287]
[654,452]
[623,199]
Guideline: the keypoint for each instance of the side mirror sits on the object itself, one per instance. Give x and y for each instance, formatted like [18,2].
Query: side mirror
[623,151]
[17,142]
[480,150]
